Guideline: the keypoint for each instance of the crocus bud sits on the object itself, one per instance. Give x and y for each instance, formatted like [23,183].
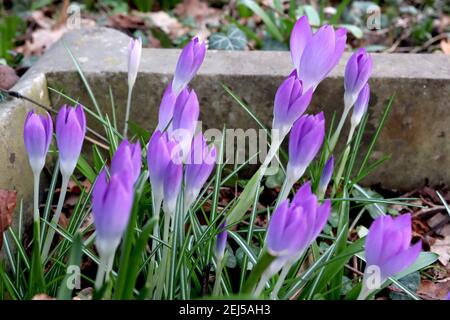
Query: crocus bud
[361,105]
[221,241]
[290,103]
[293,227]
[70,132]
[134,58]
[160,152]
[327,173]
[190,60]
[185,119]
[305,141]
[388,250]
[166,109]
[127,158]
[200,162]
[357,73]
[37,136]
[112,200]
[315,55]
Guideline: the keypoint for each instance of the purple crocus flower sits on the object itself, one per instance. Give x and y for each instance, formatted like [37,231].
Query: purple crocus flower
[221,241]
[190,60]
[200,162]
[112,200]
[388,249]
[315,55]
[361,105]
[305,140]
[70,132]
[37,136]
[294,226]
[357,73]
[166,109]
[185,119]
[134,58]
[127,158]
[327,173]
[290,103]
[160,152]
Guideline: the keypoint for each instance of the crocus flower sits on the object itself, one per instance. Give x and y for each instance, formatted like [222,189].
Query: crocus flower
[160,152]
[190,60]
[112,200]
[294,226]
[315,55]
[221,241]
[134,58]
[357,73]
[166,109]
[185,119]
[70,132]
[200,162]
[290,103]
[388,250]
[327,173]
[37,135]
[127,158]
[361,105]
[305,140]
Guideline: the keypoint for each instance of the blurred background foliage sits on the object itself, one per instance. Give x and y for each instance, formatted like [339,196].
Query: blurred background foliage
[28,27]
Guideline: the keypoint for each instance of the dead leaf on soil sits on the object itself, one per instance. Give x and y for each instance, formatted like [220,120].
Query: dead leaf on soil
[8,199]
[123,21]
[434,290]
[166,23]
[8,77]
[442,248]
[445,46]
[43,296]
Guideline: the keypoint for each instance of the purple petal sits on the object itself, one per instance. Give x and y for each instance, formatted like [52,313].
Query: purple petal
[300,36]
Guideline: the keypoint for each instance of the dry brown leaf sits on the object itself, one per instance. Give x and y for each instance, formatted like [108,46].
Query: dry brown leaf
[8,77]
[445,46]
[166,23]
[434,290]
[442,248]
[8,199]
[43,296]
[123,21]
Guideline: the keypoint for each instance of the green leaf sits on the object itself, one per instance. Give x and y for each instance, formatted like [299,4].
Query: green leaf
[233,40]
[356,31]
[65,291]
[311,13]
[411,282]
[271,27]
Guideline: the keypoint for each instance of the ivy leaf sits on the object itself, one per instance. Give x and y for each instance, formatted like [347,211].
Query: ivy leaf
[234,39]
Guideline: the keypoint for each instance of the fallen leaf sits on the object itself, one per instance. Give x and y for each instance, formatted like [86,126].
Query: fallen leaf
[8,77]
[434,290]
[43,296]
[166,23]
[123,21]
[8,199]
[442,248]
[445,46]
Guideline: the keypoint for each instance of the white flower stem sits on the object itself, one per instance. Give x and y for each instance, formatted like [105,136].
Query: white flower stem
[104,268]
[165,256]
[280,281]
[51,231]
[36,216]
[338,130]
[260,287]
[220,264]
[127,112]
